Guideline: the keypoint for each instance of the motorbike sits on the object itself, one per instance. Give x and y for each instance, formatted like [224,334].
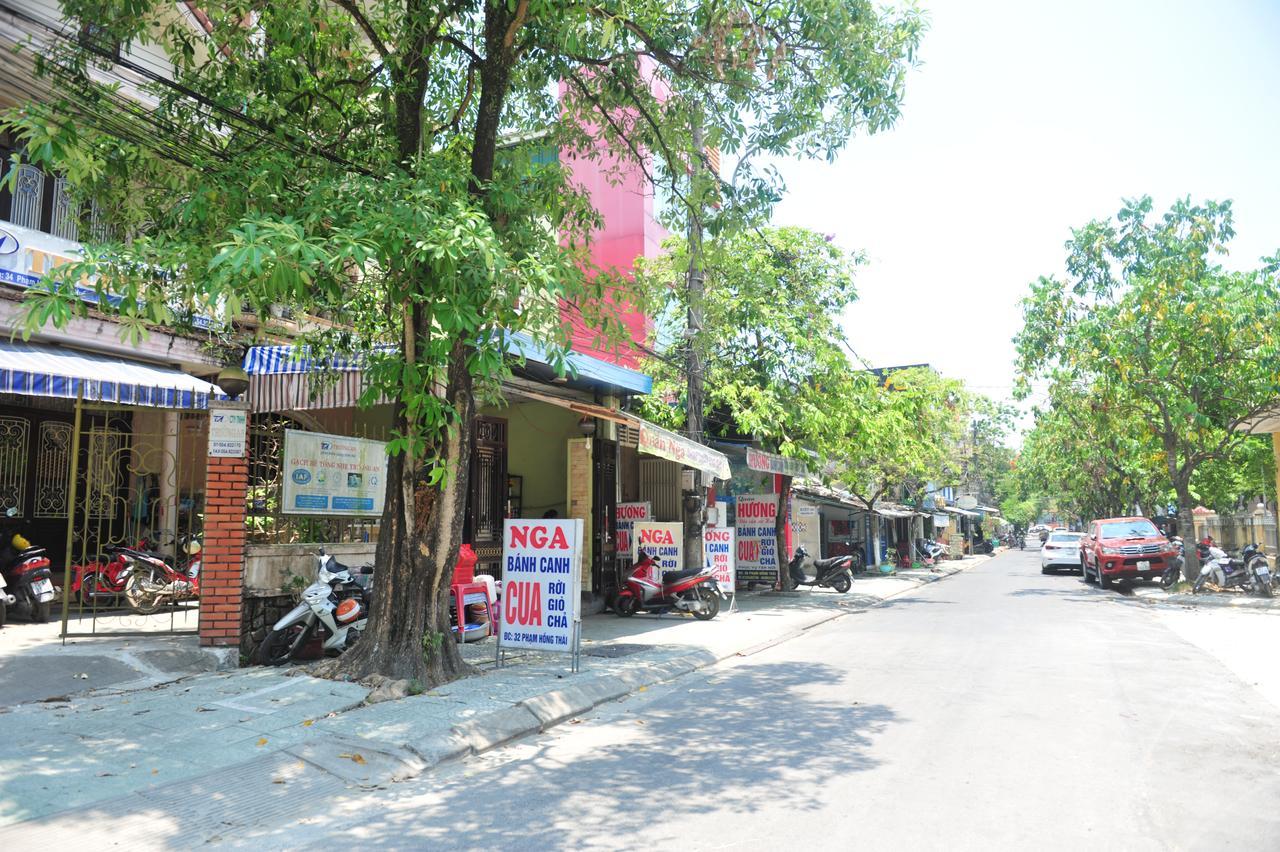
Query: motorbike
[28,582]
[1250,570]
[648,589]
[150,581]
[1173,572]
[336,604]
[932,549]
[833,572]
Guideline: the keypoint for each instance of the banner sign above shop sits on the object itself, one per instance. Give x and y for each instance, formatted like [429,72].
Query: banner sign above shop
[628,514]
[657,441]
[333,475]
[756,515]
[540,585]
[771,463]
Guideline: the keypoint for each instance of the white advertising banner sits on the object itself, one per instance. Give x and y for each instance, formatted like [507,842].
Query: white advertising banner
[541,585]
[628,514]
[333,475]
[663,541]
[717,554]
[756,516]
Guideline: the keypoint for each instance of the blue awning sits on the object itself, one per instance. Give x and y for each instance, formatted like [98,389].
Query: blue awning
[34,369]
[293,360]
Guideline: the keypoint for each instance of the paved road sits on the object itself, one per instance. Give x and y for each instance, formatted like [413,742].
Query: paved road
[999,709]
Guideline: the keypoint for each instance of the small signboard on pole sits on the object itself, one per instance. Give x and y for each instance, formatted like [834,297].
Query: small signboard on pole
[541,588]
[228,432]
[718,555]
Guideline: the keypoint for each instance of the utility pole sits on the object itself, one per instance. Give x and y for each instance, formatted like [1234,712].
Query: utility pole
[695,286]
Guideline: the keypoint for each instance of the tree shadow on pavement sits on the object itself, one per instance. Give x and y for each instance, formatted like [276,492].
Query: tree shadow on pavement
[713,747]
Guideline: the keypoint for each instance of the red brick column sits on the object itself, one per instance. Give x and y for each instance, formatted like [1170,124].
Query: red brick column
[222,572]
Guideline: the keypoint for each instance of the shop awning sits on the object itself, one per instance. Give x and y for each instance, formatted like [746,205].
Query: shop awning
[952,510]
[895,511]
[35,369]
[287,378]
[830,495]
[653,440]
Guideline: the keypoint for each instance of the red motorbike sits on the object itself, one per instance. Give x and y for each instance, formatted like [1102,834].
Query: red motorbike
[649,589]
[153,582]
[99,580]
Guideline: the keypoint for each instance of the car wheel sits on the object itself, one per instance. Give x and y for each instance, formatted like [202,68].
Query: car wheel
[1103,582]
[1044,569]
[1084,571]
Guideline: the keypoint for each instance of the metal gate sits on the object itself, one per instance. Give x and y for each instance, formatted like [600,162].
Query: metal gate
[128,478]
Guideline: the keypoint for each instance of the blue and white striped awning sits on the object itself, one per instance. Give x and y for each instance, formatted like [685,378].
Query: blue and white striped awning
[35,369]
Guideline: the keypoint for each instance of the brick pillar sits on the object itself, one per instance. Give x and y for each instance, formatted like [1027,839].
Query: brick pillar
[222,572]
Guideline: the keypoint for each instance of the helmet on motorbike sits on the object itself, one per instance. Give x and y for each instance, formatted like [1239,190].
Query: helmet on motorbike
[347,611]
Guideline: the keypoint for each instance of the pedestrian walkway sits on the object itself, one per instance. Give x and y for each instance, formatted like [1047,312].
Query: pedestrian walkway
[119,752]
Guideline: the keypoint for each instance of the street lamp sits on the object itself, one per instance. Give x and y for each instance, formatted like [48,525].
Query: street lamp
[1258,512]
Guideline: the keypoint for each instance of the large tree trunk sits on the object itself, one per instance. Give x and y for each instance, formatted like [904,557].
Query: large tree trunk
[780,534]
[409,636]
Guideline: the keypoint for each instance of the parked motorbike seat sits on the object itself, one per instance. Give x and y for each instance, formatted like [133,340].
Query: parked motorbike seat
[669,577]
[824,564]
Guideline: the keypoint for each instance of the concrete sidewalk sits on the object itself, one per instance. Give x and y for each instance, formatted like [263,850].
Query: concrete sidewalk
[238,741]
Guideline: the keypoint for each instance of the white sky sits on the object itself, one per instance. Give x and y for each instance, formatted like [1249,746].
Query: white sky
[1027,119]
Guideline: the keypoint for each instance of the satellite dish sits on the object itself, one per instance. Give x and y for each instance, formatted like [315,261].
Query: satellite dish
[968,501]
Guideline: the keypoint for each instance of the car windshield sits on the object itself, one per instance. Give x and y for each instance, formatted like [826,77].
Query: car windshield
[1129,529]
[1068,538]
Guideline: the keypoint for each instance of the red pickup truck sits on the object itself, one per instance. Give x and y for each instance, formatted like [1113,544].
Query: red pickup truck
[1123,548]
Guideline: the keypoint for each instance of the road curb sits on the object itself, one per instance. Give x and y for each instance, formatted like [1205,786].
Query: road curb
[1193,602]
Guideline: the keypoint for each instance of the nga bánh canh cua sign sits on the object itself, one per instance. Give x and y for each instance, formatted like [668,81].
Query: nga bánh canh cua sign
[541,584]
[333,475]
[663,541]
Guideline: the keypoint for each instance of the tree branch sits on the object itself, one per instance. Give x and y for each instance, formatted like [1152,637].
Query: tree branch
[353,9]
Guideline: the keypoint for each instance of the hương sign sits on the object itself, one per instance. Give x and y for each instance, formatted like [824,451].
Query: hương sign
[755,517]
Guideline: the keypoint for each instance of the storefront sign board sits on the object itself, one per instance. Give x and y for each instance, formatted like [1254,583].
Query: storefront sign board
[228,432]
[656,441]
[756,516]
[333,475]
[541,588]
[772,463]
[718,555]
[663,541]
[628,514]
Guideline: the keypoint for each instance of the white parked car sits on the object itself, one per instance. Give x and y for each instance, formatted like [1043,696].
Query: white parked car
[1061,550]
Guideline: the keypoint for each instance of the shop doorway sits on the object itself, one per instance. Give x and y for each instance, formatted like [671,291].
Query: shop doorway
[487,492]
[604,515]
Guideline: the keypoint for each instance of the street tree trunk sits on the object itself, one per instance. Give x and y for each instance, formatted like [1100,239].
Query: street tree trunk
[780,534]
[409,635]
[1187,529]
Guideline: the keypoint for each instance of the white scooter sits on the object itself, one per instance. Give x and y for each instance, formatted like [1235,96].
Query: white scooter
[335,603]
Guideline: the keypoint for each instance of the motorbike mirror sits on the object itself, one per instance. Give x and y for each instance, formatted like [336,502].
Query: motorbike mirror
[366,569]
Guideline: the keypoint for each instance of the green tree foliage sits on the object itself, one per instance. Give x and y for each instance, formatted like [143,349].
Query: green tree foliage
[358,159]
[904,429]
[1154,347]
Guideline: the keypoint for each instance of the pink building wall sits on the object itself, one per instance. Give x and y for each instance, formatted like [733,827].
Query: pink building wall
[621,193]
